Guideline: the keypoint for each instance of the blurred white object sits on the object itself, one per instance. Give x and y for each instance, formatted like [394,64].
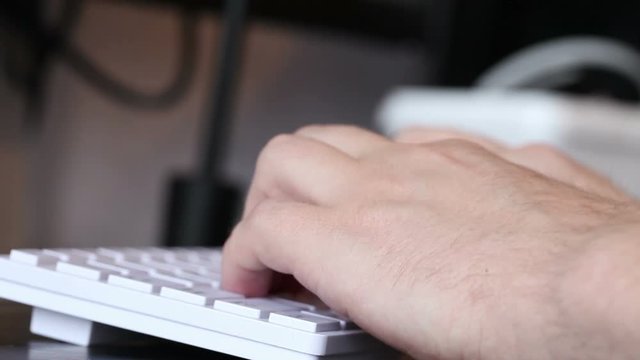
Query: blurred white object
[602,135]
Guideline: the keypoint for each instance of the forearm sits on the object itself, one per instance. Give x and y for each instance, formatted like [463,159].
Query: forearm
[599,298]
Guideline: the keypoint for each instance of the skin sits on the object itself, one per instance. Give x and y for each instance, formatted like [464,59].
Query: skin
[445,245]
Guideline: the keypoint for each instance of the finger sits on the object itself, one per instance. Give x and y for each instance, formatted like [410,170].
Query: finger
[551,162]
[352,140]
[302,169]
[419,135]
[283,237]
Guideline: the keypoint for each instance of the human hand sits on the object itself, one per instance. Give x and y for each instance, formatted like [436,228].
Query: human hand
[442,248]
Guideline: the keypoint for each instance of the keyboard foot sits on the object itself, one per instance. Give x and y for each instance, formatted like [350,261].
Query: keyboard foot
[73,330]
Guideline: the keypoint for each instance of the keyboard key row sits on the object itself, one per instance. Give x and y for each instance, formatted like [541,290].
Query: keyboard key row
[198,296]
[274,310]
[163,259]
[171,275]
[257,308]
[75,262]
[32,257]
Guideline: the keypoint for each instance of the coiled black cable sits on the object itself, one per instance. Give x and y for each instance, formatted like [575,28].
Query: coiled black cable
[123,93]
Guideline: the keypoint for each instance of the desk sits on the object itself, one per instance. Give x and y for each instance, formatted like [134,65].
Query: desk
[17,343]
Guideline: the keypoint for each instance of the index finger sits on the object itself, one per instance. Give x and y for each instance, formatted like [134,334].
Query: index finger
[281,236]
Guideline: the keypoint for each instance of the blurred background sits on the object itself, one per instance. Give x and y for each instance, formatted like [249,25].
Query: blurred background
[106,105]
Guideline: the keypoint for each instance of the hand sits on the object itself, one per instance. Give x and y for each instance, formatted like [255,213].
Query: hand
[445,248]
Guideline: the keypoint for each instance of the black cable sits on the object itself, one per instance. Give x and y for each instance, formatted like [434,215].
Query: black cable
[47,41]
[167,97]
[215,135]
[221,98]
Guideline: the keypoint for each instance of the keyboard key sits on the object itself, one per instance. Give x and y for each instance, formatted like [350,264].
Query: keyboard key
[161,254]
[187,256]
[82,270]
[110,266]
[133,266]
[74,255]
[115,253]
[345,323]
[181,265]
[32,257]
[207,266]
[147,285]
[256,308]
[124,254]
[88,253]
[212,279]
[160,266]
[304,321]
[202,271]
[174,279]
[198,296]
[297,304]
[65,255]
[133,284]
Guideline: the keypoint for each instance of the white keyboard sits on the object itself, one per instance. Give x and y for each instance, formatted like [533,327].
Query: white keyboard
[90,296]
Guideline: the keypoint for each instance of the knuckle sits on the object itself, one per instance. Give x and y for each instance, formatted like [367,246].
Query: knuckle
[420,152]
[458,155]
[277,147]
[445,151]
[347,128]
[325,128]
[311,129]
[461,152]
[457,147]
[280,141]
[542,150]
[546,154]
[263,214]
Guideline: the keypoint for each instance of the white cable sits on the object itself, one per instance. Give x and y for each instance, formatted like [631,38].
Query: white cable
[559,60]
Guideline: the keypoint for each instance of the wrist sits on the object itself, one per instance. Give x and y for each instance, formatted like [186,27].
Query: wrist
[598,294]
